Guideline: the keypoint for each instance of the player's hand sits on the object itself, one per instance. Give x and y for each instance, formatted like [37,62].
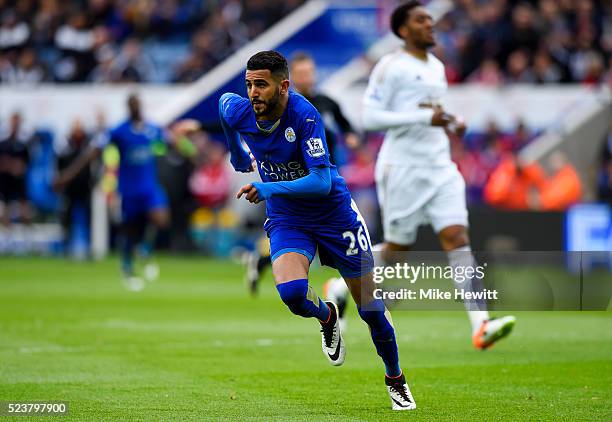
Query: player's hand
[185,127]
[441,118]
[458,127]
[251,194]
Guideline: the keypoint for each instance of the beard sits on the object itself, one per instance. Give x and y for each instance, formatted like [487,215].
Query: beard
[266,106]
[425,44]
[421,41]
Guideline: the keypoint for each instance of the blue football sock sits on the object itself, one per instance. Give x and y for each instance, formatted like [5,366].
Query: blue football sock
[127,252]
[302,300]
[383,336]
[148,241]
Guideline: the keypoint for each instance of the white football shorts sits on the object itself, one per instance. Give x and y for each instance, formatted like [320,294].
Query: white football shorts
[412,196]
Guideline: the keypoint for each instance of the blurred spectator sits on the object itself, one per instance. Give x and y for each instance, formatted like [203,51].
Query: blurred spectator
[104,72]
[488,73]
[191,69]
[211,181]
[174,169]
[132,65]
[511,184]
[518,69]
[561,190]
[522,34]
[479,155]
[76,40]
[14,163]
[213,224]
[604,178]
[26,71]
[45,22]
[517,186]
[76,206]
[522,135]
[586,63]
[359,177]
[545,70]
[303,77]
[14,32]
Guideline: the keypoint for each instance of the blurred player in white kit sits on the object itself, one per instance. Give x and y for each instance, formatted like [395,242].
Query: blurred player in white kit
[417,183]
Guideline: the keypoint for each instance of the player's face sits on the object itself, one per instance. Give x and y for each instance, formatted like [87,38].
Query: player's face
[134,106]
[303,76]
[419,28]
[264,91]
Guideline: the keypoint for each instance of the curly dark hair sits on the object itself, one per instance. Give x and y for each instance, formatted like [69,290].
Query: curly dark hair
[400,14]
[273,61]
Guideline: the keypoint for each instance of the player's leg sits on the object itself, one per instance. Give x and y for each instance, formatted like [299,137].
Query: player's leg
[290,271]
[349,250]
[256,262]
[448,214]
[130,232]
[291,276]
[133,220]
[336,290]
[485,329]
[291,251]
[374,313]
[158,220]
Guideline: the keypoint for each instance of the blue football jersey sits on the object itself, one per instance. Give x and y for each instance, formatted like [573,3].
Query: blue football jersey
[286,153]
[137,167]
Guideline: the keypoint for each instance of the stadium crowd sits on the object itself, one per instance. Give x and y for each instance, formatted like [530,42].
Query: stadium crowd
[538,41]
[489,42]
[126,41]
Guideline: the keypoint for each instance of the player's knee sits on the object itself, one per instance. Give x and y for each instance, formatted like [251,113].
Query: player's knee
[390,252]
[162,220]
[453,238]
[293,294]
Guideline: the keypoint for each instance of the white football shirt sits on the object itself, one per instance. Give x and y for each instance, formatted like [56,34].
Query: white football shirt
[398,87]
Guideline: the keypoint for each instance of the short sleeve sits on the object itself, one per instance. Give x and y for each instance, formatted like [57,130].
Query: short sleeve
[381,86]
[312,139]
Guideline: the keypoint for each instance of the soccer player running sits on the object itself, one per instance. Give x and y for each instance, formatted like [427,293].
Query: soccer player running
[303,71]
[144,207]
[417,183]
[308,208]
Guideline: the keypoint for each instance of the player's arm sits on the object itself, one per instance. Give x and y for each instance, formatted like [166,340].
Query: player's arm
[178,136]
[239,156]
[376,114]
[317,183]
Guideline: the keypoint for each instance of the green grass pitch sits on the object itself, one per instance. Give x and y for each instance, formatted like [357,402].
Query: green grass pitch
[195,346]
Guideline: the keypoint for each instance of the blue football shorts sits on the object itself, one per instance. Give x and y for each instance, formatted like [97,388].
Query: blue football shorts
[345,247]
[135,206]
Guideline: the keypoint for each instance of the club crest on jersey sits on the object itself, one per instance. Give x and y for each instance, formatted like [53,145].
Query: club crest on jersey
[315,147]
[290,134]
